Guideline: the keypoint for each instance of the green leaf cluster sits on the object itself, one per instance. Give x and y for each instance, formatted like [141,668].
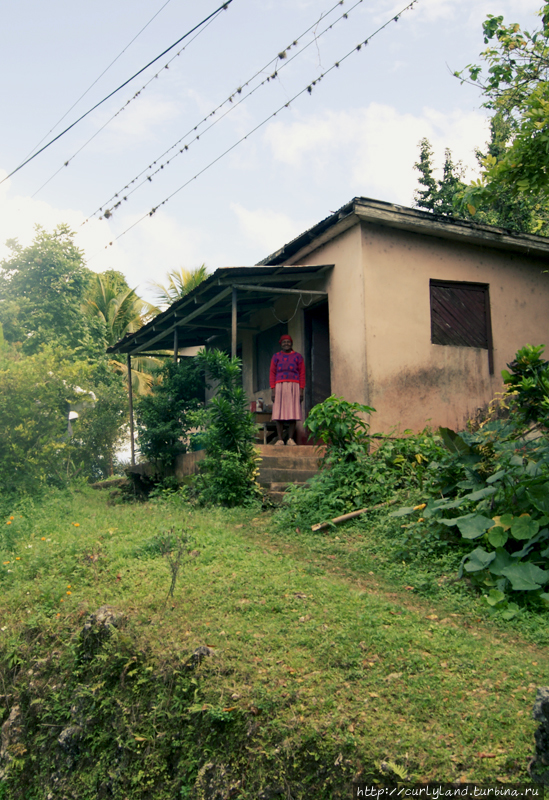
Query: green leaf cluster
[164,417]
[53,362]
[341,486]
[517,91]
[528,379]
[341,426]
[228,474]
[492,488]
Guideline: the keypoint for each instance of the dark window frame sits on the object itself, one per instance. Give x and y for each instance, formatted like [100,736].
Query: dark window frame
[460,316]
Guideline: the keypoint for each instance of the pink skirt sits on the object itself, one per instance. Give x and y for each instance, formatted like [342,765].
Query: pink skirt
[286,404]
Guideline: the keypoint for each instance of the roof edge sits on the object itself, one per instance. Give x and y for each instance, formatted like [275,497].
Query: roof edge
[411,219]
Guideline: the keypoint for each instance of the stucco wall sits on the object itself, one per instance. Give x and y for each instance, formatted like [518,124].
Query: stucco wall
[380,327]
[346,303]
[411,381]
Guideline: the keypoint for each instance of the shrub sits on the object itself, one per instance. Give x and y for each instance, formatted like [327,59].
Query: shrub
[227,474]
[339,424]
[492,489]
[164,418]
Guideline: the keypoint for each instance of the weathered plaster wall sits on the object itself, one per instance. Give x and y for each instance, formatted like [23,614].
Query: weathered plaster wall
[411,381]
[345,287]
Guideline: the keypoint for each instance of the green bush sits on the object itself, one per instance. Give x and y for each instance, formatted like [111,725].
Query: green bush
[164,418]
[342,486]
[492,489]
[340,426]
[38,446]
[529,380]
[227,475]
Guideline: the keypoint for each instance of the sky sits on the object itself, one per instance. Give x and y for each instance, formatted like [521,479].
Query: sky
[355,134]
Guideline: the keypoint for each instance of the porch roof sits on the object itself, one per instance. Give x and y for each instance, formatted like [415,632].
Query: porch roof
[207,310]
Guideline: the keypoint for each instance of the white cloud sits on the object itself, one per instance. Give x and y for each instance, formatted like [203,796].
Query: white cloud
[374,148]
[146,253]
[136,123]
[267,228]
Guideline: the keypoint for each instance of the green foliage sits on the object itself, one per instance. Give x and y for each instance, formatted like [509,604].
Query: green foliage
[516,88]
[179,283]
[307,636]
[493,488]
[529,380]
[227,475]
[449,196]
[42,287]
[164,418]
[38,446]
[341,426]
[438,194]
[342,486]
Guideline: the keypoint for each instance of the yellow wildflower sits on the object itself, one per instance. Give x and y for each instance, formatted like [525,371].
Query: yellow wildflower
[420,507]
[69,592]
[76,524]
[8,522]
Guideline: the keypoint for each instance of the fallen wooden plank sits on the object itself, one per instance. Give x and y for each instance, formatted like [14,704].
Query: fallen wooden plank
[320,525]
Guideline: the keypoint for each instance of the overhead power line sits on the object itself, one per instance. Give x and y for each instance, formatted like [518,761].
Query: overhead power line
[24,163]
[281,54]
[284,62]
[120,54]
[123,108]
[309,89]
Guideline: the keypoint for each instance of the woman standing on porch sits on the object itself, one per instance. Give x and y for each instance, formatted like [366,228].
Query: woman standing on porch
[287,379]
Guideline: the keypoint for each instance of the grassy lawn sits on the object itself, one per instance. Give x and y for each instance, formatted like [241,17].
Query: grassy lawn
[324,668]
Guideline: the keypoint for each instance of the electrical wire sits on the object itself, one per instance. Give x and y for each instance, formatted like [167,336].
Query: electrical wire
[99,78]
[308,88]
[282,54]
[123,108]
[223,7]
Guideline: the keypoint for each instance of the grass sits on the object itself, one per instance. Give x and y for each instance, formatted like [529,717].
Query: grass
[325,668]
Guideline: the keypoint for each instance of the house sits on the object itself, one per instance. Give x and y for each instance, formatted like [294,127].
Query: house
[408,312]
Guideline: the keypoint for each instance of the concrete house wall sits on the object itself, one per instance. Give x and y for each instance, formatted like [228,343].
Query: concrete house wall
[380,328]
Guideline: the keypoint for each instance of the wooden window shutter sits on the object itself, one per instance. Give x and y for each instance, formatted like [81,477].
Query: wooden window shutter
[460,316]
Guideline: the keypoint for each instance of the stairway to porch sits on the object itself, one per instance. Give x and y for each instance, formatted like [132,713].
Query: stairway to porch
[281,466]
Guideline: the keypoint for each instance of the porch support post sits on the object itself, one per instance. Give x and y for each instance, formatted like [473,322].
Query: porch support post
[130,399]
[233,326]
[175,345]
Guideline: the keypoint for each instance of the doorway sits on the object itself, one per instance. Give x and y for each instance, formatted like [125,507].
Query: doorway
[317,353]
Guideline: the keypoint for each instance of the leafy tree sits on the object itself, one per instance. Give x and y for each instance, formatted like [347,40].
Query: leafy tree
[229,469]
[520,213]
[179,283]
[437,195]
[118,310]
[516,88]
[41,290]
[38,447]
[163,420]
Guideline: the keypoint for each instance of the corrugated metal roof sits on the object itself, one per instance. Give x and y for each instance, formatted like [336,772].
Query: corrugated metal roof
[206,311]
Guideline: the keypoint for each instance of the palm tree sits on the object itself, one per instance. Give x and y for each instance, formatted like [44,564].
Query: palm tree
[121,311]
[180,283]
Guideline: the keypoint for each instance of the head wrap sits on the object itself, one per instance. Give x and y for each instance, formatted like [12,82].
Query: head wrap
[284,337]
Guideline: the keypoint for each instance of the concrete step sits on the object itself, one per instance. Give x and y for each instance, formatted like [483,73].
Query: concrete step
[288,462]
[267,475]
[281,486]
[276,497]
[298,451]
